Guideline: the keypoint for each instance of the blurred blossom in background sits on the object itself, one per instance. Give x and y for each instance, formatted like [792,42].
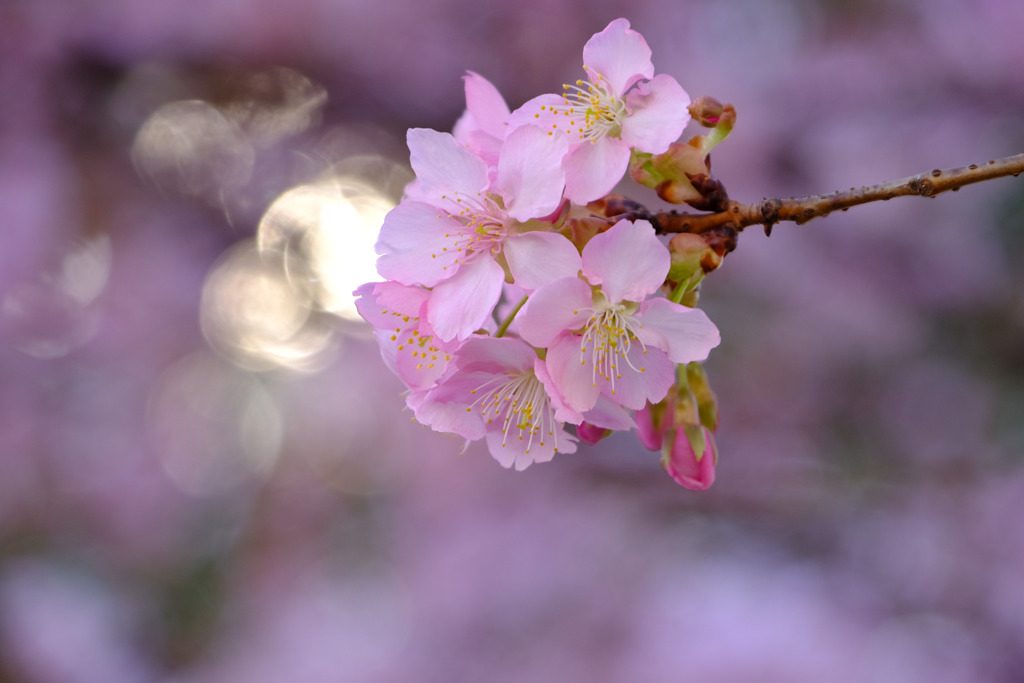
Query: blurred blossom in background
[206,475]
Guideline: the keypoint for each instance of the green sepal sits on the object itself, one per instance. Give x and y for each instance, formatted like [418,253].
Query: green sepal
[687,251]
[695,435]
[707,402]
[726,120]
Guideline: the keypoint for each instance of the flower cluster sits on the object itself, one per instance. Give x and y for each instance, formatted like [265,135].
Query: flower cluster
[512,306]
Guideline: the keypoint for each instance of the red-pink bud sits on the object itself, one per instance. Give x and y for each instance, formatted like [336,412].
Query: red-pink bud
[646,429]
[591,434]
[682,463]
[706,111]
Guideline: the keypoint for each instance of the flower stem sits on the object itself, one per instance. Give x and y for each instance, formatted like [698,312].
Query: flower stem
[802,209]
[677,294]
[511,316]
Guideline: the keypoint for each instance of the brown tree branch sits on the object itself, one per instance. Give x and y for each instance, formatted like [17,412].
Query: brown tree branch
[768,212]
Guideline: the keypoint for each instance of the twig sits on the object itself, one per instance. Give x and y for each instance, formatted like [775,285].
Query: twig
[768,212]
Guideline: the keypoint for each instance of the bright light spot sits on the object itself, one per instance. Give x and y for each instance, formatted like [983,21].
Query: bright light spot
[281,103]
[85,270]
[250,313]
[50,315]
[327,231]
[215,426]
[189,147]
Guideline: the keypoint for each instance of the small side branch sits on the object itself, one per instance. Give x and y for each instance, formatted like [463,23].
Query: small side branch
[802,209]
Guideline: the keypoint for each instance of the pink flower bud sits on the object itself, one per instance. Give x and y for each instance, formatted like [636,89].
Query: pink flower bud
[685,466]
[706,111]
[591,434]
[649,426]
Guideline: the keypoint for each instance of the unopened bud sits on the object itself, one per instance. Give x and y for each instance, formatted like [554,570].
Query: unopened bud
[650,423]
[613,205]
[706,111]
[720,121]
[582,230]
[721,240]
[677,427]
[667,173]
[677,191]
[591,434]
[690,458]
[688,252]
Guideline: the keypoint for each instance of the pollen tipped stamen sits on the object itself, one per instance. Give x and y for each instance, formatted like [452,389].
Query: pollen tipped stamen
[594,110]
[480,226]
[522,405]
[609,335]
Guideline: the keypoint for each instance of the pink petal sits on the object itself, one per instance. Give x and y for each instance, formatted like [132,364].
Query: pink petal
[530,174]
[563,411]
[657,114]
[607,415]
[619,54]
[497,355]
[538,258]
[417,245]
[482,127]
[541,112]
[511,450]
[603,418]
[461,304]
[485,104]
[574,380]
[460,388]
[499,449]
[390,305]
[563,305]
[687,334]
[369,308]
[627,260]
[387,350]
[443,166]
[401,299]
[447,417]
[650,381]
[419,363]
[593,169]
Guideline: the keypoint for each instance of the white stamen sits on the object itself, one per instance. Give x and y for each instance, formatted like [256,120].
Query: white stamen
[609,333]
[523,406]
[481,227]
[591,111]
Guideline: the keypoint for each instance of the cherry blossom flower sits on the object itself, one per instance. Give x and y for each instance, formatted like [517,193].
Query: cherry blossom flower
[502,391]
[475,238]
[455,227]
[407,343]
[622,105]
[604,335]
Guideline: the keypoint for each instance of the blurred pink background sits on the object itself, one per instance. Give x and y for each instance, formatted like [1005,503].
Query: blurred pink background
[207,476]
